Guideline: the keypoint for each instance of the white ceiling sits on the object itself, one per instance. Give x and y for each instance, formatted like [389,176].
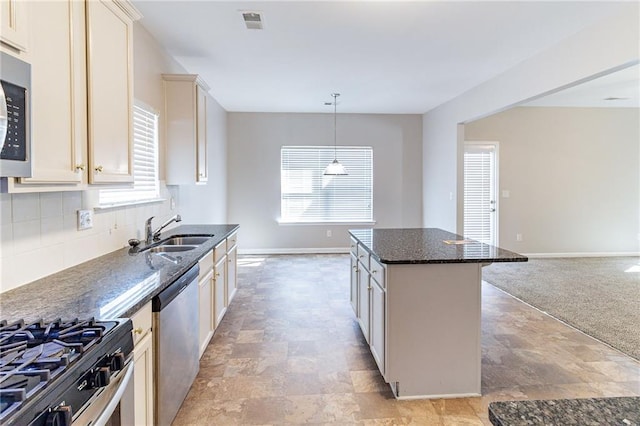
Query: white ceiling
[623,86]
[382,56]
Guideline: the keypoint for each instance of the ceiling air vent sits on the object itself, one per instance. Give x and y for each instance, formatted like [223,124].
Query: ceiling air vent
[253,20]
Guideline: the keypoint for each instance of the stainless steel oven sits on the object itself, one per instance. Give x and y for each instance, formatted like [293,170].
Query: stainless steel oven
[66,372]
[15,117]
[113,406]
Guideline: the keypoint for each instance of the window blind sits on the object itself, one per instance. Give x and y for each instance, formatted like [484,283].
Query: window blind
[145,161]
[479,163]
[309,196]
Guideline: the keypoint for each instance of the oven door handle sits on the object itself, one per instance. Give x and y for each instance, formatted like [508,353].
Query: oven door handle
[113,404]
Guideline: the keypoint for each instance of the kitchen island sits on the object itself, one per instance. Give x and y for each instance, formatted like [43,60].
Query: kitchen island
[416,294]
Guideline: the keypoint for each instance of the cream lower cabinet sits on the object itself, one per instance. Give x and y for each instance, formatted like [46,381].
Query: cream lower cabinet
[143,366]
[232,276]
[206,298]
[368,300]
[353,291]
[220,289]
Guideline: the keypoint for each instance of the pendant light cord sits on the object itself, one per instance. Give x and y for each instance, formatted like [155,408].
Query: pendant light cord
[335,131]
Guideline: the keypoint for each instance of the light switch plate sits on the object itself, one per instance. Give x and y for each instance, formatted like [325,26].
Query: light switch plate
[85,219]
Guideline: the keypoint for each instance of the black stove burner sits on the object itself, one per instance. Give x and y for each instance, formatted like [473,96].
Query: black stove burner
[34,355]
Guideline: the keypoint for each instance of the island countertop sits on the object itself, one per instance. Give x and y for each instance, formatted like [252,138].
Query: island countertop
[116,284]
[429,245]
[585,412]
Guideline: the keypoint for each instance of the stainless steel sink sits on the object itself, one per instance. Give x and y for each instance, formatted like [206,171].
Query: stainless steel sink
[171,248]
[186,240]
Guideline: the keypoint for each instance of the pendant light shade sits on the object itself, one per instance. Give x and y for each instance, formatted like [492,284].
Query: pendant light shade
[335,168]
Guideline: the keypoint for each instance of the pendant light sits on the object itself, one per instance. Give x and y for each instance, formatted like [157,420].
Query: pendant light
[335,168]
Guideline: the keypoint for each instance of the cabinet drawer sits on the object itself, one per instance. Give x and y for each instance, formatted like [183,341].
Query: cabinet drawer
[141,323]
[219,251]
[232,240]
[353,246]
[205,264]
[363,256]
[377,271]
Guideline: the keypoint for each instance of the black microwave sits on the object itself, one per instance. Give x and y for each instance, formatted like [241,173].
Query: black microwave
[15,141]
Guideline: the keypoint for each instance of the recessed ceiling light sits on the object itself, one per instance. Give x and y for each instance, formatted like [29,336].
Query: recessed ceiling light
[613,98]
[252,19]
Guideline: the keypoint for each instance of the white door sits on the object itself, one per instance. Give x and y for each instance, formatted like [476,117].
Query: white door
[480,191]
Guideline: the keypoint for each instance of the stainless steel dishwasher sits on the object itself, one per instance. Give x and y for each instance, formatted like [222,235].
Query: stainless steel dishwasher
[175,344]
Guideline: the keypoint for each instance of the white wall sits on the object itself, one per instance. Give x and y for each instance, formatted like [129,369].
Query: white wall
[255,140]
[601,48]
[572,176]
[38,231]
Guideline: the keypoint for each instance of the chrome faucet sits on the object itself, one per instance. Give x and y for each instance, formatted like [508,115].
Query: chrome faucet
[151,235]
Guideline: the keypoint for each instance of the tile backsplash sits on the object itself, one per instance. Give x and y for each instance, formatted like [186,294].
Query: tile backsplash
[39,231]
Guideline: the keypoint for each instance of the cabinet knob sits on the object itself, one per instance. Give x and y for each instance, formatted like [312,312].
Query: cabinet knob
[361,256]
[137,330]
[99,169]
[217,274]
[373,271]
[80,167]
[201,174]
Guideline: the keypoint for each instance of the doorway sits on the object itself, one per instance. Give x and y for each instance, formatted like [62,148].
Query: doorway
[480,191]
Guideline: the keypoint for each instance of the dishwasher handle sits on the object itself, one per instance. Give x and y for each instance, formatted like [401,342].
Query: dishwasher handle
[159,302]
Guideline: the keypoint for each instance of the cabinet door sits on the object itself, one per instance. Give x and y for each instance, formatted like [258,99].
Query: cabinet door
[354,284]
[143,381]
[363,300]
[201,135]
[232,279]
[58,110]
[14,23]
[205,312]
[219,283]
[377,341]
[110,94]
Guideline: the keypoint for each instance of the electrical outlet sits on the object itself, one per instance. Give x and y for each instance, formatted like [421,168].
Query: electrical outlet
[172,203]
[506,193]
[85,219]
[329,233]
[518,237]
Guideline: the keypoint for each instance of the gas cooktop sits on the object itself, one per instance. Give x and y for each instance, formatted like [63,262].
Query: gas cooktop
[41,361]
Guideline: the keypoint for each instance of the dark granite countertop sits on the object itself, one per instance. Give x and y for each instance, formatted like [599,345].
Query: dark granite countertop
[114,285]
[427,245]
[623,411]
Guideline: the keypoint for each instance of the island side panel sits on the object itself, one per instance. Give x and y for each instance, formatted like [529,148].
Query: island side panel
[433,329]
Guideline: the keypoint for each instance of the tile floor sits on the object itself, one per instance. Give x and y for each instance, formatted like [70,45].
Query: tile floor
[289,351]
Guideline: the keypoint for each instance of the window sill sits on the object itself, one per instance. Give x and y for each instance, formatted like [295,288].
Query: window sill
[324,223]
[128,203]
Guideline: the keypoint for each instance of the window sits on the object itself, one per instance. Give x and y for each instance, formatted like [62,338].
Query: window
[145,162]
[480,184]
[309,196]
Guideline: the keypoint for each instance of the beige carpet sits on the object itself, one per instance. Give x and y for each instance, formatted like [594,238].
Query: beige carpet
[599,296]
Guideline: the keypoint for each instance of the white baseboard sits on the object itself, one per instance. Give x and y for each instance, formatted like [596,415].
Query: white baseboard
[330,250]
[583,254]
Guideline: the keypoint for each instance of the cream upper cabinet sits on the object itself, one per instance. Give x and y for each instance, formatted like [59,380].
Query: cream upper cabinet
[82,94]
[110,91]
[58,100]
[186,121]
[14,24]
